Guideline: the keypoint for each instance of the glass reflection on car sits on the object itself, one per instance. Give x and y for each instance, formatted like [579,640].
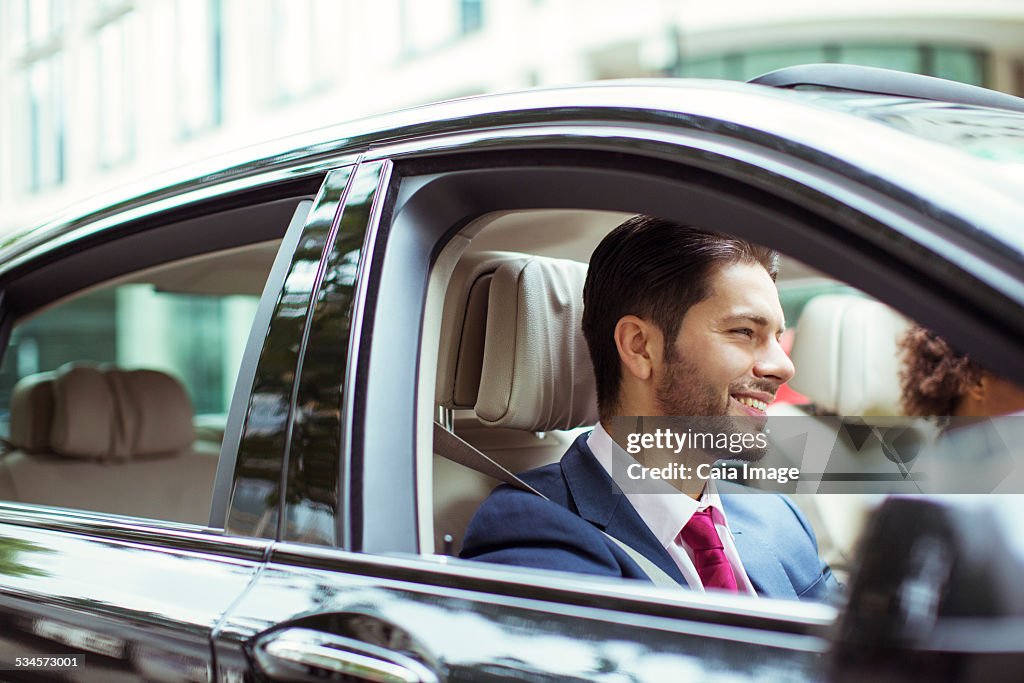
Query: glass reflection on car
[313,462]
[255,493]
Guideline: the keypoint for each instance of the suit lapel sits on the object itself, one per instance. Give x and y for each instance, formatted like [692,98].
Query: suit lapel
[600,501]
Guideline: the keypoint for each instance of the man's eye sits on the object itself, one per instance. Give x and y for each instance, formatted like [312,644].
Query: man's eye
[745,331]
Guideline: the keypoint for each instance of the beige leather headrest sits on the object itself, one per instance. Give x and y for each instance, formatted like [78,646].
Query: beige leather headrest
[32,412]
[846,355]
[463,325]
[536,372]
[104,412]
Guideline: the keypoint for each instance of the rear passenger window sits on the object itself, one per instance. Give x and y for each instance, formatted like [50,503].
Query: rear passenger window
[115,400]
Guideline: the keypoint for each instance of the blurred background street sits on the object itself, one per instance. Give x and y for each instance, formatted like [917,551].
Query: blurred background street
[96,94]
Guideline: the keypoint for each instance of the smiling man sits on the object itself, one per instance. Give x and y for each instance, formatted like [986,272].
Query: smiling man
[680,322]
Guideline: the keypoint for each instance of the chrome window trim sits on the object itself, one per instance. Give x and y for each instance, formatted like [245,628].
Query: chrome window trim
[457,578]
[52,236]
[153,533]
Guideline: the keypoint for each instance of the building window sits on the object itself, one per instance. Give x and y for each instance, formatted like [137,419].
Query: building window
[302,52]
[35,24]
[46,125]
[199,65]
[471,15]
[957,64]
[114,101]
[429,25]
[36,40]
[952,62]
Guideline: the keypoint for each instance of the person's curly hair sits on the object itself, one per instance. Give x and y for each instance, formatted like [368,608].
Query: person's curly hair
[934,375]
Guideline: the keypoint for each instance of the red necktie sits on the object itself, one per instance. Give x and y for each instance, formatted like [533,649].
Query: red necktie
[708,554]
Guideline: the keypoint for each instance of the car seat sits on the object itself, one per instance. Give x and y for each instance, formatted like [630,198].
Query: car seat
[515,370]
[108,440]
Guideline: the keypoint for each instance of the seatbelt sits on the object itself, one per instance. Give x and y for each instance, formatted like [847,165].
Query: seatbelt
[656,574]
[453,447]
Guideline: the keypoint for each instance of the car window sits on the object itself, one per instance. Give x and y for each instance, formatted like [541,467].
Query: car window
[466,382]
[436,250]
[115,399]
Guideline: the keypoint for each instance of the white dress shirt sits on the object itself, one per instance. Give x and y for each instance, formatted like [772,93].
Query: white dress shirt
[668,512]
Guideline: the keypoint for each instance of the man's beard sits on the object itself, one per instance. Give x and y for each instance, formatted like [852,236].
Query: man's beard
[684,391]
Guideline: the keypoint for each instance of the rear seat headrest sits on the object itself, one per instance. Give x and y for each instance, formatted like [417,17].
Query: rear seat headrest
[846,355]
[536,373]
[32,412]
[463,326]
[87,411]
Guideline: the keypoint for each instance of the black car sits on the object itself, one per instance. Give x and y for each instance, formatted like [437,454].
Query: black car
[221,389]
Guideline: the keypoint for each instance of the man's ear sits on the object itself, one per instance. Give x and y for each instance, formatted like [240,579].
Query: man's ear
[639,344]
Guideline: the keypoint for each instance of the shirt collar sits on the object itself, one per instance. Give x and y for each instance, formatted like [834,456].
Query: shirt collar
[664,513]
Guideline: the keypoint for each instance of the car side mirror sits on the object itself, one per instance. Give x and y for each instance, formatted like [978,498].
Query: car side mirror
[938,594]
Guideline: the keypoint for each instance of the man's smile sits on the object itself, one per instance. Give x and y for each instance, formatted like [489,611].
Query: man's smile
[752,403]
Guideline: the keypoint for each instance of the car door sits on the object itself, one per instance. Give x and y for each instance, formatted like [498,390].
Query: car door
[344,592]
[91,596]
[350,589]
[88,599]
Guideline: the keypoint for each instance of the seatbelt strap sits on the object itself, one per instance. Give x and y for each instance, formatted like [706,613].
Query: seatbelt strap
[453,447]
[655,573]
[456,449]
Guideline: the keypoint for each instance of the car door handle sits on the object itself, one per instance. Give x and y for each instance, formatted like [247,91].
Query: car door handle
[305,654]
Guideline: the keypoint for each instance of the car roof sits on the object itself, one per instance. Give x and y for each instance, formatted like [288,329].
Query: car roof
[988,194]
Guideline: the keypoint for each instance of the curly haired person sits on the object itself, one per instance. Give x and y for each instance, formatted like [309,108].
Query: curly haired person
[939,381]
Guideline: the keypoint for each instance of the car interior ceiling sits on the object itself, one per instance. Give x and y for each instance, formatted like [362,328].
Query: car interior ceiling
[235,271]
[77,268]
[505,239]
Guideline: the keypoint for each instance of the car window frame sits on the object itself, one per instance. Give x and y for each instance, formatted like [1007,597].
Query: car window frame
[143,239]
[807,191]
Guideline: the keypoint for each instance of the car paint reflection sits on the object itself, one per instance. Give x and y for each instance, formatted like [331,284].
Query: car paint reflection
[79,639]
[125,605]
[460,636]
[168,667]
[11,549]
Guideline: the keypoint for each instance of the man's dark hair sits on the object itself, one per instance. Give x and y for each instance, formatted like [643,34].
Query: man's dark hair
[656,270]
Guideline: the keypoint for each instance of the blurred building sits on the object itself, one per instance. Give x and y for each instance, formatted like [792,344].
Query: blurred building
[95,94]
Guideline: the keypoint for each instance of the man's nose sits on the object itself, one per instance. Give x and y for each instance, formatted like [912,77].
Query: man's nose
[775,364]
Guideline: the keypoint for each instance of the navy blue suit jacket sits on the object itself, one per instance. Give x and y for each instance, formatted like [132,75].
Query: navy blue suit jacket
[774,541]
